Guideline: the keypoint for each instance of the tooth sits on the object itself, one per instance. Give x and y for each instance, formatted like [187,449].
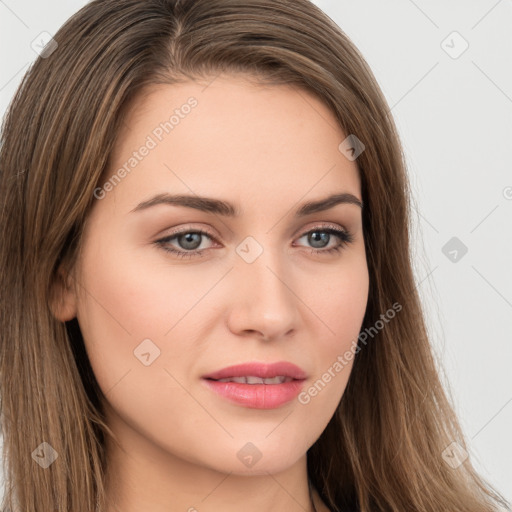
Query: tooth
[274,380]
[255,380]
[279,379]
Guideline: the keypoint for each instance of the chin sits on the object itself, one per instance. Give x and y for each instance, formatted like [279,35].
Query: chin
[256,458]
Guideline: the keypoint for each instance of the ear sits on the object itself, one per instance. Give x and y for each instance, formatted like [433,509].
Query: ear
[63,296]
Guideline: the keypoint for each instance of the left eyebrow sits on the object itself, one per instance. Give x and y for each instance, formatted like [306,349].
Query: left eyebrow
[327,203]
[220,207]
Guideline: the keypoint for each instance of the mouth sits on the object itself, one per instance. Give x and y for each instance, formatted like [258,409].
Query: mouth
[280,379]
[256,370]
[257,385]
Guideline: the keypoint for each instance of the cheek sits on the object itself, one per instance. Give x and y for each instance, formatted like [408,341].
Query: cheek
[128,300]
[340,306]
[339,299]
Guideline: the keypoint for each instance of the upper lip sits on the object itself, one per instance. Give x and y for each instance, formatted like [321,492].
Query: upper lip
[262,370]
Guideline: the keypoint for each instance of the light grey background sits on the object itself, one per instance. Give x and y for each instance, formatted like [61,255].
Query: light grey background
[454,114]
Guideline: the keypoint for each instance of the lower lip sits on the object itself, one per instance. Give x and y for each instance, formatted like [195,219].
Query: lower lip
[257,396]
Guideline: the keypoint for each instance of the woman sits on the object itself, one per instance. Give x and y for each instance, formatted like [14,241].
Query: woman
[282,363]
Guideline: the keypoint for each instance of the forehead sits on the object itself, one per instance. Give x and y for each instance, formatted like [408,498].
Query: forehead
[231,137]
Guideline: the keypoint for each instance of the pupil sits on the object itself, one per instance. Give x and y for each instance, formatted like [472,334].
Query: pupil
[189,239]
[317,236]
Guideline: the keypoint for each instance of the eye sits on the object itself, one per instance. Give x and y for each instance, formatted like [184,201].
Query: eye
[190,240]
[323,234]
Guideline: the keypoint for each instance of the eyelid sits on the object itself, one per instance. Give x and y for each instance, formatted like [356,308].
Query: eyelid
[188,229]
[344,236]
[321,225]
[300,234]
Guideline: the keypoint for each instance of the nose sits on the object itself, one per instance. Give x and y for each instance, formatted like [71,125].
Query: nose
[261,299]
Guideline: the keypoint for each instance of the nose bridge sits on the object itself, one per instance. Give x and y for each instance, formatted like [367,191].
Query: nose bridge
[264,296]
[262,265]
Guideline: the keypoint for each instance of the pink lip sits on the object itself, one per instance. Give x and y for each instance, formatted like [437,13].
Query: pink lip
[262,370]
[258,396]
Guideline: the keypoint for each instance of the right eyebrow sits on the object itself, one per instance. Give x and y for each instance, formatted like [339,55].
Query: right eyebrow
[224,208]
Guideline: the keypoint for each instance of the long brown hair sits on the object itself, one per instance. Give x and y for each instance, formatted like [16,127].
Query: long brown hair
[382,449]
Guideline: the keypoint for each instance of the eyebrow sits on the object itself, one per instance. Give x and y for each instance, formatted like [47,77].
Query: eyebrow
[219,207]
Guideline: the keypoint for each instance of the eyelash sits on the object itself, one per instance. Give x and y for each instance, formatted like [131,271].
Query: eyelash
[345,238]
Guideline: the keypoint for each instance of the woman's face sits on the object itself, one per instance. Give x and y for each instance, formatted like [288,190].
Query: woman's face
[256,288]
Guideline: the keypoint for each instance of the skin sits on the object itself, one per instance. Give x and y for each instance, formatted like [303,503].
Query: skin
[267,149]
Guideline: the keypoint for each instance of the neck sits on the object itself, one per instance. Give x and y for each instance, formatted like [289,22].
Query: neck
[138,483]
